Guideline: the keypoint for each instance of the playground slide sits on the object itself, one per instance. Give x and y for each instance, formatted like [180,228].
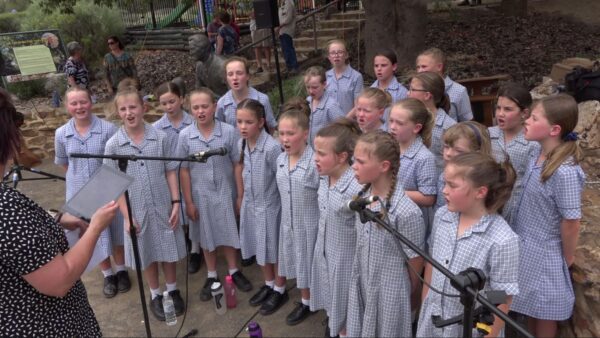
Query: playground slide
[176,14]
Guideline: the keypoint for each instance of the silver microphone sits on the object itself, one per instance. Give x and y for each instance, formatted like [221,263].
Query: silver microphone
[360,203]
[203,155]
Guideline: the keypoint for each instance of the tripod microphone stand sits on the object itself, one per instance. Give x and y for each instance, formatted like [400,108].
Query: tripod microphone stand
[123,161]
[467,282]
[17,176]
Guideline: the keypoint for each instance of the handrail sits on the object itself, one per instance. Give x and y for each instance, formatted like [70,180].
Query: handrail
[300,19]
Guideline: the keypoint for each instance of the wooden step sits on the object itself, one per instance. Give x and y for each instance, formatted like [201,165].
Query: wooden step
[328,32]
[309,42]
[340,24]
[351,15]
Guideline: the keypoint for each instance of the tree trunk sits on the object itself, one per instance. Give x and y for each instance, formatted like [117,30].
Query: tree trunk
[396,24]
[514,7]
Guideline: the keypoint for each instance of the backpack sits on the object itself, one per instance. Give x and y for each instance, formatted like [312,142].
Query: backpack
[584,84]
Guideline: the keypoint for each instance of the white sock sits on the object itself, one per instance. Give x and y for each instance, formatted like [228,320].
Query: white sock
[212,274]
[107,272]
[155,292]
[270,283]
[195,247]
[232,271]
[280,289]
[171,286]
[120,268]
[305,302]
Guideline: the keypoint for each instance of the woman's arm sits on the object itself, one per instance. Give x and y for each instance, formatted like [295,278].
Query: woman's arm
[569,233]
[57,277]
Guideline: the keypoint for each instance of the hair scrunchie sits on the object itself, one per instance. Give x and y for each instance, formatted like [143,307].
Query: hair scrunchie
[572,136]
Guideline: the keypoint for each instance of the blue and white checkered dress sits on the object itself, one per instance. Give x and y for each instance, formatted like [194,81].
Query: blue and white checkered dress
[460,104]
[396,90]
[327,111]
[213,185]
[334,250]
[440,200]
[489,245]
[172,131]
[441,124]
[150,197]
[518,151]
[261,206]
[380,287]
[418,173]
[346,89]
[227,106]
[544,279]
[299,216]
[79,170]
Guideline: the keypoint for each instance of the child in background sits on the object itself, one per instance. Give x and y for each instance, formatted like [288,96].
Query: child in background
[381,284]
[336,238]
[343,82]
[154,198]
[237,73]
[209,189]
[260,208]
[469,232]
[324,108]
[434,60]
[86,133]
[385,64]
[548,215]
[370,107]
[428,87]
[508,138]
[298,181]
[463,137]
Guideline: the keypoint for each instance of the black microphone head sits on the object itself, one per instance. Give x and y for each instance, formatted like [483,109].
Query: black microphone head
[223,151]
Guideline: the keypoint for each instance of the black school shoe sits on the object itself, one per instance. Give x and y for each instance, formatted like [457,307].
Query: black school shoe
[274,301]
[261,295]
[241,281]
[194,263]
[177,302]
[248,261]
[110,286]
[205,294]
[156,306]
[298,315]
[123,281]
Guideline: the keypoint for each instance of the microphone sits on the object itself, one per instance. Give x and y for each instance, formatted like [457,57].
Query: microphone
[203,155]
[360,203]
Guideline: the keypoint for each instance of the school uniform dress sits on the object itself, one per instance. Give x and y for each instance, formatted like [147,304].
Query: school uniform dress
[379,301]
[346,89]
[460,104]
[418,173]
[226,108]
[261,206]
[213,185]
[79,171]
[334,249]
[440,200]
[490,245]
[172,131]
[299,216]
[396,90]
[442,122]
[544,279]
[518,151]
[327,111]
[150,197]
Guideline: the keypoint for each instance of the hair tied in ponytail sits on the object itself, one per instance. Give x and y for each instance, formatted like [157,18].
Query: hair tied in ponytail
[572,136]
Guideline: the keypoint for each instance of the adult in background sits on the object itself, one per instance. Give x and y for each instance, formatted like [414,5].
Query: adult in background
[77,72]
[39,275]
[263,48]
[226,37]
[212,30]
[118,64]
[286,30]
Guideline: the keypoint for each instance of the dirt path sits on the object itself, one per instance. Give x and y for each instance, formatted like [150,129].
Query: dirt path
[586,11]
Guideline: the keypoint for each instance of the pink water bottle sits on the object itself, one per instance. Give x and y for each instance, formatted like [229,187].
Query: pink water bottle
[230,292]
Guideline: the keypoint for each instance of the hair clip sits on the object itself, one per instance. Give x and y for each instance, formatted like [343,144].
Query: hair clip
[572,136]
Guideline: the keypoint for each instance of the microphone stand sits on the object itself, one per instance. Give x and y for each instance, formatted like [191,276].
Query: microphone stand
[467,282]
[17,176]
[123,161]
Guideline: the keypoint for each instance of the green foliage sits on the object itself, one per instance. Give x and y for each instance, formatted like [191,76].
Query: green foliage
[68,6]
[11,22]
[293,86]
[17,5]
[89,24]
[28,89]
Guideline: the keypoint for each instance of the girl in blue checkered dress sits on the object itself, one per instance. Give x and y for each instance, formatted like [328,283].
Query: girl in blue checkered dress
[370,108]
[343,82]
[210,189]
[260,204]
[384,272]
[154,197]
[469,232]
[86,133]
[336,240]
[508,138]
[385,63]
[324,108]
[548,215]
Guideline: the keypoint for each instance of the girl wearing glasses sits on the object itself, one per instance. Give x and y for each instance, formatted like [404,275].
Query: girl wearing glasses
[343,82]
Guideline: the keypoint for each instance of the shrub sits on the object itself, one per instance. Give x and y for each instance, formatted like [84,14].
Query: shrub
[11,22]
[293,86]
[28,89]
